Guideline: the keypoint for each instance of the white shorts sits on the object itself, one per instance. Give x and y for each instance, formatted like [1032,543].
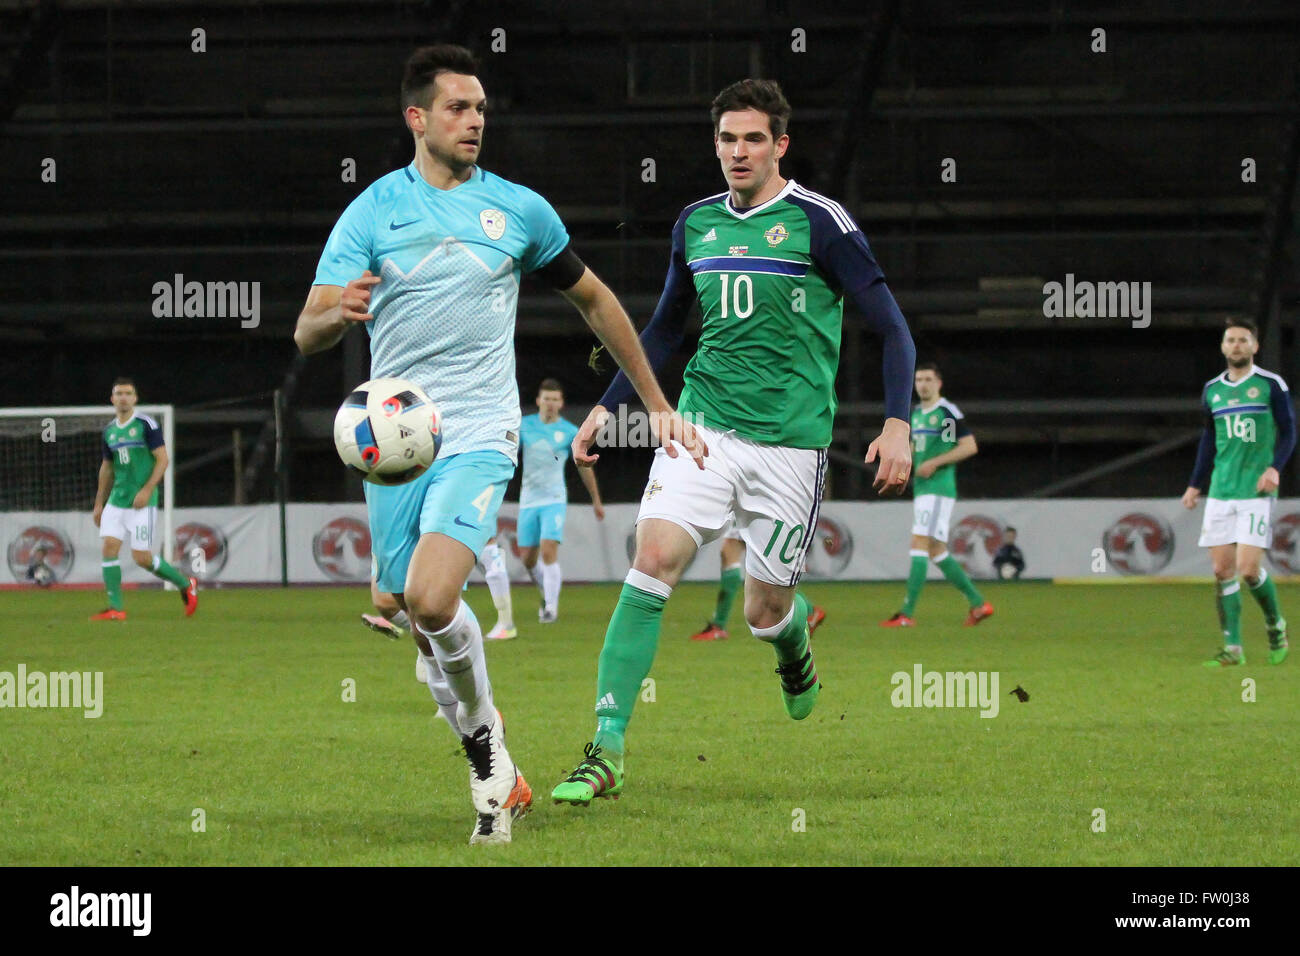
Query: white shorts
[1237,521]
[732,533]
[930,516]
[772,493]
[133,526]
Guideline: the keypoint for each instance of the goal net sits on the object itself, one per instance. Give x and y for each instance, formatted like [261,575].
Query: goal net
[49,464]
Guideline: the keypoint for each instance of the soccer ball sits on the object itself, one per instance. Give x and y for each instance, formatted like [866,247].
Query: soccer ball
[43,576]
[388,431]
[1007,571]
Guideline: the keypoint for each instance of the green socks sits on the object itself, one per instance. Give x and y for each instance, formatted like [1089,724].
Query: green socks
[1265,593]
[165,571]
[727,588]
[951,570]
[958,579]
[791,641]
[630,644]
[113,583]
[1229,601]
[915,580]
[113,578]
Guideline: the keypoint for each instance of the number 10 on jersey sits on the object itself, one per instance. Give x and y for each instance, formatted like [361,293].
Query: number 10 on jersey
[742,295]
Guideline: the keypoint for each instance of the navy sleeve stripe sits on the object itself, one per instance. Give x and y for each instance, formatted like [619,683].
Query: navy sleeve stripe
[1274,376]
[842,218]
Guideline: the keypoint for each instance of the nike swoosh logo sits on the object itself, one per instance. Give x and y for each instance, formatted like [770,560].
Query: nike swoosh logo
[465,524]
[401,225]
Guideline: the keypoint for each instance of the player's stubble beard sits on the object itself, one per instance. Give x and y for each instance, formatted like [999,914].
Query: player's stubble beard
[458,166]
[747,197]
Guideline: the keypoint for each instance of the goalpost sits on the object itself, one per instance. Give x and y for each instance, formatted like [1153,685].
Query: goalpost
[49,460]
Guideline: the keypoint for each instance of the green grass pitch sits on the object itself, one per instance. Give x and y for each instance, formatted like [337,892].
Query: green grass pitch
[239,712]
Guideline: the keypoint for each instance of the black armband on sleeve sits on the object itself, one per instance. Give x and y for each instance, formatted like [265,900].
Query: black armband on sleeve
[564,271]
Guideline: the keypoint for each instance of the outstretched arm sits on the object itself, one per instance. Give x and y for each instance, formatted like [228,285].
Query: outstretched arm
[602,311]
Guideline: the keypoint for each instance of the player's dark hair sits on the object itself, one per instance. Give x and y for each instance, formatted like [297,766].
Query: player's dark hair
[551,385]
[929,367]
[1010,529]
[1236,323]
[123,380]
[762,95]
[420,75]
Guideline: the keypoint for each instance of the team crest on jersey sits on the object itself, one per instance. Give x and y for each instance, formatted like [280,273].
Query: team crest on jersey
[738,250]
[493,222]
[559,437]
[131,432]
[776,235]
[1252,392]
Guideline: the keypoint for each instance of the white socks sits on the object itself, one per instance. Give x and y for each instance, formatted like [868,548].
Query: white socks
[441,691]
[498,582]
[458,652]
[551,580]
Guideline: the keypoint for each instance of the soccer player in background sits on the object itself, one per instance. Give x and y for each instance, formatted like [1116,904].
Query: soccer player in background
[1249,435]
[732,558]
[126,501]
[428,259]
[543,499]
[940,439]
[770,264]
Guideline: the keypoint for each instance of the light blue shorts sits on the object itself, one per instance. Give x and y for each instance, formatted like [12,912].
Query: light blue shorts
[542,521]
[459,497]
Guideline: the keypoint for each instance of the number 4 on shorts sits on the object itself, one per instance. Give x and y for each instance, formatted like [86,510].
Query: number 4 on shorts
[483,502]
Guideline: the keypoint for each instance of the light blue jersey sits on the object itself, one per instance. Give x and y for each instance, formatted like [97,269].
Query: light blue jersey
[450,261]
[546,449]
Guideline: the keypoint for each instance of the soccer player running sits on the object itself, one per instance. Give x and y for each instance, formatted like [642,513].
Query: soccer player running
[1249,435]
[126,501]
[428,259]
[940,439]
[543,499]
[770,263]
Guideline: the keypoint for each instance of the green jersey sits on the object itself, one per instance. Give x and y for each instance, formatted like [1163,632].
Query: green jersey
[129,447]
[1250,427]
[770,282]
[936,430]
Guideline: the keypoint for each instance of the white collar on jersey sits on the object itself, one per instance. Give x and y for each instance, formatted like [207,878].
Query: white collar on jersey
[789,185]
[1231,384]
